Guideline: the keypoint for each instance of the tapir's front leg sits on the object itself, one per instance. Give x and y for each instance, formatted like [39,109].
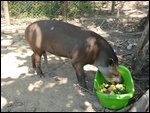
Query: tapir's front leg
[80,74]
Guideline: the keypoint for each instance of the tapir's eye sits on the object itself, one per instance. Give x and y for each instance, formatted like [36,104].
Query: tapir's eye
[110,62]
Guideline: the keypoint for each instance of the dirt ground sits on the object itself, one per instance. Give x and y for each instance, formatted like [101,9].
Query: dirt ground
[22,90]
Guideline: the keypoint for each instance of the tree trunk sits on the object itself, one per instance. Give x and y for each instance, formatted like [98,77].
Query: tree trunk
[66,3]
[143,22]
[140,59]
[6,12]
[112,7]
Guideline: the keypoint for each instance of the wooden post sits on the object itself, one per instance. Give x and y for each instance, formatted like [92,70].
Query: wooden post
[65,10]
[113,7]
[6,12]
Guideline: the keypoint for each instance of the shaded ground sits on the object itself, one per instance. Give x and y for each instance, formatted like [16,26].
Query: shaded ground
[22,90]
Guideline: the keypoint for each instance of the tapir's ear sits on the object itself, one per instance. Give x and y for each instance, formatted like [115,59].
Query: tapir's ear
[111,62]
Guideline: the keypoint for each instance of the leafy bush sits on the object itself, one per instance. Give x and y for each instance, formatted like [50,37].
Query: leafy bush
[80,9]
[34,8]
[52,9]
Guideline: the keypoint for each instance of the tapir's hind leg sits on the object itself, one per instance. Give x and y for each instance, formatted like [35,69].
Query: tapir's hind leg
[33,62]
[46,64]
[36,63]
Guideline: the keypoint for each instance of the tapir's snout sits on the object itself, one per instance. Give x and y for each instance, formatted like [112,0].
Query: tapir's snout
[114,78]
[118,79]
[111,74]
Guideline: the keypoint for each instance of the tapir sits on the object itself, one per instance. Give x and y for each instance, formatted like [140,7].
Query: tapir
[81,45]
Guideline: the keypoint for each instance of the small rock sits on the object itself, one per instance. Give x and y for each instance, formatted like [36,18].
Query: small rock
[87,103]
[97,106]
[135,44]
[129,46]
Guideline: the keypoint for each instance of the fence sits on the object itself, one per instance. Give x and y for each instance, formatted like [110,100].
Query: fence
[54,9]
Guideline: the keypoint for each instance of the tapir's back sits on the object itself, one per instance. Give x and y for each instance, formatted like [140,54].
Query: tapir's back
[49,34]
[56,28]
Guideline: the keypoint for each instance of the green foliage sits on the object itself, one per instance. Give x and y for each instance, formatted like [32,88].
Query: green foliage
[35,8]
[80,9]
[52,9]
[49,9]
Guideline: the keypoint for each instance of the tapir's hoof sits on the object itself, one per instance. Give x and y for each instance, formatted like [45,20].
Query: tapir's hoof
[42,76]
[84,89]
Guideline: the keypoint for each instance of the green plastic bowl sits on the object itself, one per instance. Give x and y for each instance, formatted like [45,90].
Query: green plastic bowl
[115,101]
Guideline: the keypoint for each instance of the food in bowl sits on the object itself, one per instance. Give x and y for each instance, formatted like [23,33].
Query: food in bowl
[109,88]
[115,101]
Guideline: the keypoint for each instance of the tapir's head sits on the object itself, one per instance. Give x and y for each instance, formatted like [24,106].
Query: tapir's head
[107,61]
[111,72]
